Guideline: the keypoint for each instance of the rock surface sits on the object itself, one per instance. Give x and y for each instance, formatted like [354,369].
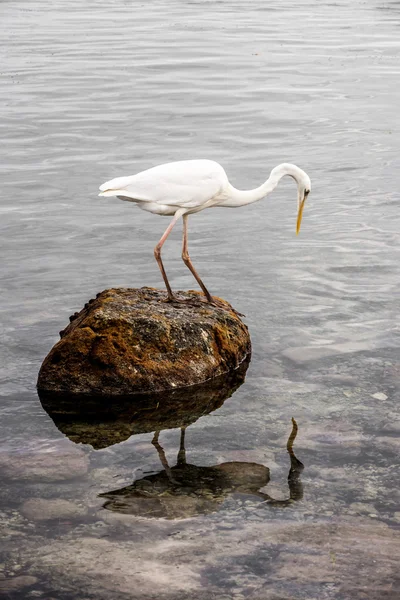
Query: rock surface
[110,420]
[129,341]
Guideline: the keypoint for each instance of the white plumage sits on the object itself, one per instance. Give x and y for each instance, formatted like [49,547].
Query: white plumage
[185,184]
[186,187]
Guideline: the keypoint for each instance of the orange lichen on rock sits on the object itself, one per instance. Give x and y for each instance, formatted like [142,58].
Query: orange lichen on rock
[129,341]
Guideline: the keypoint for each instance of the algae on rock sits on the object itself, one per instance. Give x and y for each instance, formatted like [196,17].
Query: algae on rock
[129,341]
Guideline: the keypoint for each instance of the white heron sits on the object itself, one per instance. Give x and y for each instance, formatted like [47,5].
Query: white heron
[186,187]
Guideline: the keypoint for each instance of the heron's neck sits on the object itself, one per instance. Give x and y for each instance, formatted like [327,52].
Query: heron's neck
[242,197]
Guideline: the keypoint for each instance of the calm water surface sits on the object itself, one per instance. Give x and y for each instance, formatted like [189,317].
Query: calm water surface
[92,89]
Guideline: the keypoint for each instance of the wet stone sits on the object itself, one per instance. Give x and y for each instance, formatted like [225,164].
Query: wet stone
[380,396]
[129,341]
[38,509]
[57,464]
[361,508]
[393,426]
[16,583]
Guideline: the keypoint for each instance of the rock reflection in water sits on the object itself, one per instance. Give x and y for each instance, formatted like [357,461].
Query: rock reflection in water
[182,490]
[186,490]
[103,421]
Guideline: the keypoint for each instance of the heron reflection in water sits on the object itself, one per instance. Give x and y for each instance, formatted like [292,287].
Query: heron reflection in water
[186,490]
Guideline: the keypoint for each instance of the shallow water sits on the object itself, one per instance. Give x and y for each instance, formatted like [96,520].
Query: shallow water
[91,90]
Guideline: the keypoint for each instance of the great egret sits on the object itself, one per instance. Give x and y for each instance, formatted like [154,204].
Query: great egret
[187,187]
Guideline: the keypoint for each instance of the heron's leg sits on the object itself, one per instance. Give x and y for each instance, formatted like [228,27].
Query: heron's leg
[157,254]
[182,452]
[188,262]
[162,456]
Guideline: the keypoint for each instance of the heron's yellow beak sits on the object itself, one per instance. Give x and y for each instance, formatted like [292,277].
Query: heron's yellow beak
[300,215]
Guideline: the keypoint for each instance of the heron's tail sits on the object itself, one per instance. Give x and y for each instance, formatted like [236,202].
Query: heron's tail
[117,187]
[111,192]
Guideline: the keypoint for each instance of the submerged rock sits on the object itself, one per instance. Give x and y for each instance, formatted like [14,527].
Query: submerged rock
[42,509]
[107,420]
[130,341]
[62,462]
[16,583]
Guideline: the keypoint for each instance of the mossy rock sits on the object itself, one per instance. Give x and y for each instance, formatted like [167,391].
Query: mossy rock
[129,341]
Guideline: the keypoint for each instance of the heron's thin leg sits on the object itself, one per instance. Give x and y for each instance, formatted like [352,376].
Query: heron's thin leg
[157,254]
[182,452]
[162,456]
[188,262]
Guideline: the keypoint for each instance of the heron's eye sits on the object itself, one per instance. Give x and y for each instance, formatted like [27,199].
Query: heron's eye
[306,192]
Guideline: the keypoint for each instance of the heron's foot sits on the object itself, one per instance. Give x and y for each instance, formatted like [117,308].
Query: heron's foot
[188,301]
[224,306]
[201,300]
[174,299]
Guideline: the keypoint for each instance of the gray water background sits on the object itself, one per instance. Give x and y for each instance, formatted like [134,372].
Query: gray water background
[90,90]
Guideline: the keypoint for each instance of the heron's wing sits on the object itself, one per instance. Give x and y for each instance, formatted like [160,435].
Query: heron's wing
[186,184]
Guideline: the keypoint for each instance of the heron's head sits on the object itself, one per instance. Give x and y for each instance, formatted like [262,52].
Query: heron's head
[303,189]
[303,185]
